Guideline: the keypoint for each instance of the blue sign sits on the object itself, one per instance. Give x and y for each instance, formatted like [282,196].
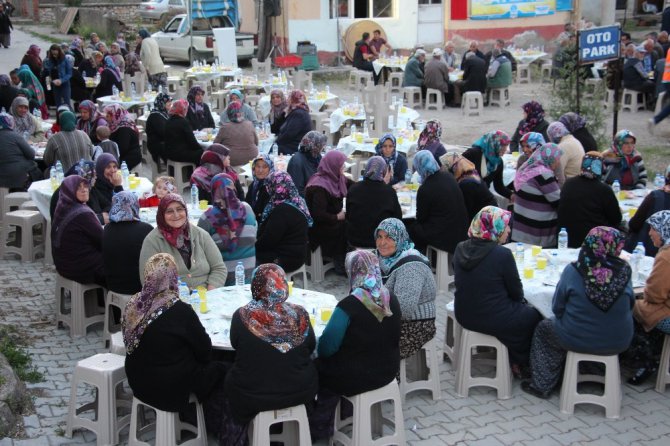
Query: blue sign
[599,43]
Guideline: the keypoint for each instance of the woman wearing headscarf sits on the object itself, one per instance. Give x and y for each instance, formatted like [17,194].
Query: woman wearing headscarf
[33,88]
[232,225]
[489,294]
[486,154]
[25,124]
[77,52]
[239,135]
[305,161]
[358,350]
[277,114]
[529,143]
[86,170]
[475,192]
[248,112]
[108,182]
[125,134]
[199,115]
[298,123]
[386,148]
[623,163]
[257,194]
[214,160]
[59,72]
[537,198]
[90,119]
[17,159]
[168,351]
[199,261]
[407,275]
[7,92]
[652,312]
[267,333]
[282,235]
[369,202]
[156,126]
[439,205]
[429,139]
[90,66]
[576,125]
[122,242]
[572,151]
[109,78]
[133,65]
[182,143]
[76,235]
[593,295]
[656,201]
[324,195]
[533,121]
[33,60]
[117,57]
[587,202]
[69,145]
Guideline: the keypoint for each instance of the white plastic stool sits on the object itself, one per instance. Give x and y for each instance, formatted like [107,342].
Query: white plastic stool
[443,268]
[434,99]
[608,101]
[472,102]
[523,73]
[499,97]
[426,364]
[545,72]
[611,397]
[119,301]
[29,205]
[364,421]
[76,319]
[25,247]
[13,201]
[464,379]
[663,378]
[394,82]
[353,79]
[591,86]
[413,96]
[259,429]
[316,268]
[181,172]
[633,100]
[363,78]
[116,344]
[452,335]
[106,372]
[48,255]
[302,270]
[168,426]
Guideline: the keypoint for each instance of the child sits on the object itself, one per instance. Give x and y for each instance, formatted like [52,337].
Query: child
[162,186]
[105,145]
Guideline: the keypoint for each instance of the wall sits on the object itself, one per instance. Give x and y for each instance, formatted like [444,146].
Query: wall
[125,11]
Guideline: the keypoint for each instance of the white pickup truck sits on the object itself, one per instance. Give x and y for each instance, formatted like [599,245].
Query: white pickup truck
[174,40]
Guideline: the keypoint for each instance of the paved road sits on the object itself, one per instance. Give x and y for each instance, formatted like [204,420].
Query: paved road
[11,58]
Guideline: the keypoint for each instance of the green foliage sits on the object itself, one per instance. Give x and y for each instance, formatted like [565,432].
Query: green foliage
[85,31]
[17,356]
[73,3]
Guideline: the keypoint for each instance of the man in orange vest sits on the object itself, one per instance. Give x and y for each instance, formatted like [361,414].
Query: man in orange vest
[665,111]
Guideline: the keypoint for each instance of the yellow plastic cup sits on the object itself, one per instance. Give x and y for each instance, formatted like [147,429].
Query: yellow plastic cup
[631,212]
[133,183]
[401,139]
[403,109]
[622,195]
[312,320]
[541,263]
[202,294]
[203,205]
[528,273]
[290,287]
[359,138]
[536,250]
[375,141]
[326,313]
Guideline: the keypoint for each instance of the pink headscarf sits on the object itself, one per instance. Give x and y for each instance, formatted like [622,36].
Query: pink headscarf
[328,175]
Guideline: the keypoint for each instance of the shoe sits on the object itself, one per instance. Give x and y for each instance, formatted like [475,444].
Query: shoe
[641,375]
[520,372]
[527,387]
[650,125]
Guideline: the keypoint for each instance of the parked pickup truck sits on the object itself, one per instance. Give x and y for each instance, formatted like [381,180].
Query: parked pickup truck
[174,40]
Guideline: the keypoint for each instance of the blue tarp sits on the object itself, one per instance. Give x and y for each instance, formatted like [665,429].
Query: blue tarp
[215,8]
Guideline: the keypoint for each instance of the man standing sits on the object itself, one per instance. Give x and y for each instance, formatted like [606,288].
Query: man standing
[378,42]
[363,56]
[436,75]
[5,27]
[151,59]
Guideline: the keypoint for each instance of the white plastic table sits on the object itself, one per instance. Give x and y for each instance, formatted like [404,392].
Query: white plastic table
[315,103]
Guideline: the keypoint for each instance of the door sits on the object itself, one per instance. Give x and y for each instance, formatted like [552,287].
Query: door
[430,27]
[168,38]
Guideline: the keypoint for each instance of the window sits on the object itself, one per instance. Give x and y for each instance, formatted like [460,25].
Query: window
[430,2]
[363,9]
[173,26]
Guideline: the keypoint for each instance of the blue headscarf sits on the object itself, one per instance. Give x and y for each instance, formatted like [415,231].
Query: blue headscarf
[111,66]
[425,164]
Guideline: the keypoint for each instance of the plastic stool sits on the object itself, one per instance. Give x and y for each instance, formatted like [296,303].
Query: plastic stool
[363,78]
[608,101]
[29,205]
[259,429]
[413,96]
[181,172]
[464,379]
[633,100]
[364,421]
[523,73]
[352,80]
[591,86]
[316,268]
[427,364]
[434,99]
[545,72]
[48,255]
[611,397]
[25,245]
[663,378]
[76,319]
[116,344]
[394,83]
[499,97]
[302,270]
[119,301]
[443,268]
[168,426]
[472,102]
[13,201]
[452,336]
[105,371]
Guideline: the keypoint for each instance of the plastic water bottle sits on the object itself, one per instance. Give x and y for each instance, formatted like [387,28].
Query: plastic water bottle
[54,178]
[37,114]
[133,90]
[160,89]
[194,197]
[563,240]
[353,131]
[239,274]
[408,176]
[59,172]
[520,253]
[366,133]
[659,181]
[327,89]
[183,292]
[97,80]
[616,188]
[26,135]
[635,259]
[125,173]
[555,265]
[195,300]
[115,91]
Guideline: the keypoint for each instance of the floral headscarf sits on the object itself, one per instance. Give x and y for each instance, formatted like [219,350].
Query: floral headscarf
[592,165]
[228,214]
[276,111]
[556,131]
[268,316]
[68,206]
[132,64]
[32,84]
[196,108]
[24,123]
[430,135]
[376,168]
[180,238]
[329,174]
[534,140]
[257,184]
[95,118]
[111,66]
[572,121]
[296,99]
[365,282]
[159,104]
[617,148]
[605,274]
[313,143]
[489,224]
[538,163]
[491,143]
[179,108]
[534,115]
[6,121]
[282,190]
[425,164]
[120,118]
[159,293]
[404,247]
[211,163]
[125,207]
[460,167]
[85,169]
[660,221]
[234,111]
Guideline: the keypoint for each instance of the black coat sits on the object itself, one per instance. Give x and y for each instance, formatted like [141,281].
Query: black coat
[297,124]
[5,23]
[7,95]
[301,167]
[130,150]
[588,141]
[180,144]
[282,238]
[541,127]
[102,193]
[107,83]
[155,128]
[474,154]
[368,203]
[327,231]
[476,195]
[474,75]
[121,246]
[258,198]
[200,122]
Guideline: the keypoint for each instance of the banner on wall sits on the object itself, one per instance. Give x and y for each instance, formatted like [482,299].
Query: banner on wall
[512,9]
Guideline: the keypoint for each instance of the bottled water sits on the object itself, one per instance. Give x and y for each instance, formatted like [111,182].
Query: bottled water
[26,136]
[160,89]
[133,90]
[520,253]
[37,114]
[616,188]
[328,89]
[408,176]
[555,265]
[54,178]
[195,300]
[97,79]
[239,274]
[194,197]
[635,259]
[115,91]
[59,172]
[366,132]
[659,181]
[563,240]
[353,130]
[183,292]
[125,173]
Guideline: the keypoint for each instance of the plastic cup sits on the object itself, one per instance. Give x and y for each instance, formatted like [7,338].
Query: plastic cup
[202,294]
[203,205]
[631,212]
[312,320]
[622,195]
[133,183]
[326,313]
[403,109]
[528,273]
[290,287]
[375,141]
[541,263]
[359,138]
[401,140]
[536,250]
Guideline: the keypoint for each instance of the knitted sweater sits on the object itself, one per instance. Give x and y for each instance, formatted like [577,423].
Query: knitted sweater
[535,211]
[414,286]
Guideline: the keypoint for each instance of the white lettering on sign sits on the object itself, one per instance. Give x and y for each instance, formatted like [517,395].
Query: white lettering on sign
[599,37]
[596,51]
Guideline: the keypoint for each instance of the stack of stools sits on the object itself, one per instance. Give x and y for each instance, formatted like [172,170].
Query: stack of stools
[168,426]
[106,372]
[523,73]
[425,363]
[464,379]
[77,319]
[259,430]
[24,221]
[13,201]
